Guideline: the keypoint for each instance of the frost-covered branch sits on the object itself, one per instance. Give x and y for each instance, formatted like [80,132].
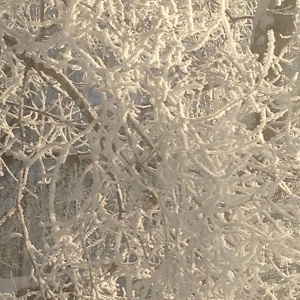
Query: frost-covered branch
[158,148]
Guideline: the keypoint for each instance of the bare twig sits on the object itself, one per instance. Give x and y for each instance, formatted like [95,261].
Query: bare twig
[236,19]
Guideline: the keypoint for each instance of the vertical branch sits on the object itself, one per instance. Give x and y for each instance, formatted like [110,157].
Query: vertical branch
[42,19]
[262,23]
[22,179]
[268,17]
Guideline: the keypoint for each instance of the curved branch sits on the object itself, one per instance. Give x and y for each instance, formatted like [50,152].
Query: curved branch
[63,80]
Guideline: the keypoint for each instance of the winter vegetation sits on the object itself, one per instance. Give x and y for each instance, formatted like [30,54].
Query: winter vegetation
[149,149]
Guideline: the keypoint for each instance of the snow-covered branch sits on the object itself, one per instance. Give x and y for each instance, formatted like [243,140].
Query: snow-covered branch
[149,150]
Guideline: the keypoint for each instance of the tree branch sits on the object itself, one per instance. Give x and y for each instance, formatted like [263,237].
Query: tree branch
[236,19]
[63,80]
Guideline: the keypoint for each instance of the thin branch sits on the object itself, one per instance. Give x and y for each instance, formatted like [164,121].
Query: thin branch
[9,214]
[72,123]
[135,124]
[236,19]
[23,176]
[42,31]
[62,79]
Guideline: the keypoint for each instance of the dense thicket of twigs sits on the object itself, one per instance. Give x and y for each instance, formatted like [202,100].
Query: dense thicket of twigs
[149,150]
